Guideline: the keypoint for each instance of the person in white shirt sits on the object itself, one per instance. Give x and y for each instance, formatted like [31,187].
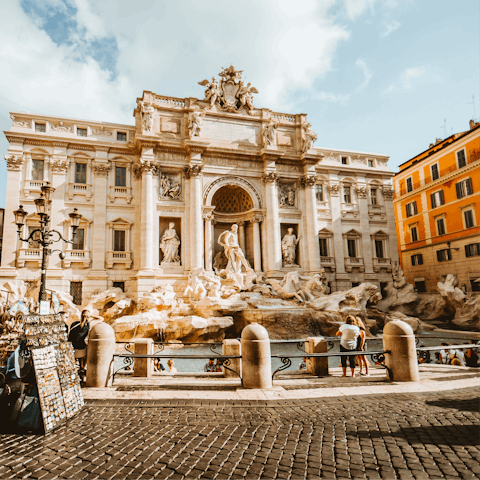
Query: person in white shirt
[457,358]
[349,332]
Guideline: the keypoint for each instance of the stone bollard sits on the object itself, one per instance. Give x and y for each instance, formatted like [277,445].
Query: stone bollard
[232,347]
[256,361]
[143,367]
[317,366]
[100,351]
[402,363]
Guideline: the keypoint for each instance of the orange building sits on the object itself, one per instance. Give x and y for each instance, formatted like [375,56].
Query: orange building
[437,212]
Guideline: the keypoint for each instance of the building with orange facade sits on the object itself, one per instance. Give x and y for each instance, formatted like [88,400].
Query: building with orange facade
[437,210]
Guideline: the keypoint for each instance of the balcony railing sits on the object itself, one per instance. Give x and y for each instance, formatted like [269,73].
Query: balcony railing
[77,256]
[124,258]
[472,157]
[79,189]
[382,263]
[120,192]
[29,255]
[354,262]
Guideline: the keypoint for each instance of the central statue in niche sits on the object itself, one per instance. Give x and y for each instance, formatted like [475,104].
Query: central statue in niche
[236,259]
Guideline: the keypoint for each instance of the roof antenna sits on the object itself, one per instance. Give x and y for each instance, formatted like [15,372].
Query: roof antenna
[473,103]
[444,128]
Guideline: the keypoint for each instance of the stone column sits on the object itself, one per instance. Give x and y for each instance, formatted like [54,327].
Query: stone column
[241,235]
[392,234]
[12,202]
[362,198]
[342,281]
[308,183]
[257,247]
[193,172]
[208,217]
[274,251]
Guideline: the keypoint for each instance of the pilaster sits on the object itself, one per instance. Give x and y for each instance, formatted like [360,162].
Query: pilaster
[307,182]
[362,198]
[274,250]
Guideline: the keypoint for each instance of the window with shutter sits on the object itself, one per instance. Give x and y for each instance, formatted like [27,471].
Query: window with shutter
[441,226]
[432,200]
[459,190]
[414,234]
[379,248]
[323,247]
[78,239]
[469,186]
[472,250]
[119,240]
[417,259]
[461,159]
[409,183]
[443,255]
[415,211]
[469,220]
[435,172]
[352,250]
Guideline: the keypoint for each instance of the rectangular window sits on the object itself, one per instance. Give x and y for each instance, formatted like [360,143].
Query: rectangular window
[420,286]
[120,176]
[443,255]
[78,239]
[437,199]
[119,240]
[417,259]
[76,292]
[319,193]
[344,161]
[462,161]
[36,236]
[347,197]
[472,250]
[409,183]
[411,209]
[414,234]
[81,173]
[464,188]
[119,285]
[469,220]
[352,248]
[475,285]
[370,163]
[379,249]
[37,170]
[373,196]
[39,127]
[81,132]
[122,136]
[441,226]
[435,171]
[323,247]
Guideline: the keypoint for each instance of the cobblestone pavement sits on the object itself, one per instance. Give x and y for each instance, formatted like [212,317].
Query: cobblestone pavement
[417,436]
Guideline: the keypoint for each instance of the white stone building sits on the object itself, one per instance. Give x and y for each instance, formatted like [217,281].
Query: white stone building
[201,165]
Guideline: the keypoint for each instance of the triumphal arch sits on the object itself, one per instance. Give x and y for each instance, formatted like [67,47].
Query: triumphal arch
[156,196]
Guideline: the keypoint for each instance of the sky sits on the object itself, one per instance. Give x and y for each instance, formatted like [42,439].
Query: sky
[377,76]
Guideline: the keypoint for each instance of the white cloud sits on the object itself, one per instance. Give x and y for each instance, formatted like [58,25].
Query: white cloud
[407,80]
[367,73]
[332,97]
[355,8]
[390,28]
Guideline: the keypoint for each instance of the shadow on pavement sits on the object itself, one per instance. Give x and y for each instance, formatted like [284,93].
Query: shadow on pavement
[467,405]
[433,435]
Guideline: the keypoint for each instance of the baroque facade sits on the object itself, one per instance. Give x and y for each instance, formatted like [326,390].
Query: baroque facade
[156,196]
[437,208]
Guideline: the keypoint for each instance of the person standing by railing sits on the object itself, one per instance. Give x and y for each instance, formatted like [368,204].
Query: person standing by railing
[348,343]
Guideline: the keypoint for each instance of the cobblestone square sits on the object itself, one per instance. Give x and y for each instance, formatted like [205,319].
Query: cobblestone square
[415,435]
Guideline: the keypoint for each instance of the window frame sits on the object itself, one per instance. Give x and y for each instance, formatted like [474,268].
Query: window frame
[475,246]
[442,219]
[117,167]
[41,130]
[74,238]
[418,259]
[346,160]
[116,232]
[437,195]
[34,162]
[412,228]
[374,197]
[414,209]
[75,172]
[448,255]
[327,246]
[121,139]
[464,157]
[349,188]
[406,184]
[83,129]
[371,163]
[465,210]
[431,171]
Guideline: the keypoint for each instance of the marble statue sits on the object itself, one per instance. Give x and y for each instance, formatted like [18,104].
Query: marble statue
[169,189]
[289,287]
[289,246]
[270,133]
[211,91]
[195,122]
[147,116]
[236,258]
[287,196]
[169,244]
[315,284]
[195,285]
[309,137]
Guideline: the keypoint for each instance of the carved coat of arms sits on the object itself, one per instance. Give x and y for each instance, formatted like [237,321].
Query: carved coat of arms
[231,94]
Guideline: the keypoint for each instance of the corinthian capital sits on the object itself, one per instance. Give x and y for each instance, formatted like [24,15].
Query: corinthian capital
[59,164]
[308,181]
[14,162]
[270,177]
[101,169]
[361,192]
[334,189]
[193,171]
[388,194]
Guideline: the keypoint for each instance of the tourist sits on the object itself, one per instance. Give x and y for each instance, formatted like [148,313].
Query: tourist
[78,337]
[171,368]
[471,356]
[218,365]
[349,332]
[457,357]
[303,364]
[362,346]
[444,355]
[157,365]
[210,366]
[425,357]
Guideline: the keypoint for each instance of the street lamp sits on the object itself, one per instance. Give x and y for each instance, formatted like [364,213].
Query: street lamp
[45,237]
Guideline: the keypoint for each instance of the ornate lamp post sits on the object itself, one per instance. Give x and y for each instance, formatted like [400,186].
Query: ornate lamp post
[44,237]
